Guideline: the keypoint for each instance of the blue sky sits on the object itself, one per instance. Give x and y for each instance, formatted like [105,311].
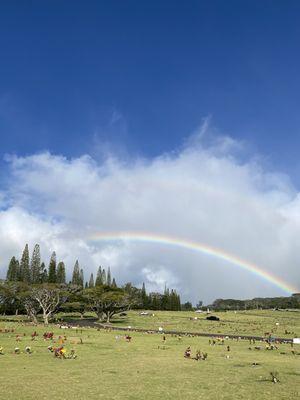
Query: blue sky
[175,118]
[142,75]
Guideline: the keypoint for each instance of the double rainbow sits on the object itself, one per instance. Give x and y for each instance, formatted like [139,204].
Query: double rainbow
[198,247]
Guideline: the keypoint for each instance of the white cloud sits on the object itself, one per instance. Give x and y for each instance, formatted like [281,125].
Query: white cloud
[204,193]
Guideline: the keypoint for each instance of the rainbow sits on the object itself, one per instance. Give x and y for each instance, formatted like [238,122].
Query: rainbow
[198,247]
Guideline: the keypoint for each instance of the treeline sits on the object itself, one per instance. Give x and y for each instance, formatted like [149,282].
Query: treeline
[33,271]
[257,303]
[169,300]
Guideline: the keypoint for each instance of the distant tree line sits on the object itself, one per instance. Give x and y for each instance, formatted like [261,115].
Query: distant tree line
[257,303]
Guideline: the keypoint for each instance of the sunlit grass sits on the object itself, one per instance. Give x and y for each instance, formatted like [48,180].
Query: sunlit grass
[108,367]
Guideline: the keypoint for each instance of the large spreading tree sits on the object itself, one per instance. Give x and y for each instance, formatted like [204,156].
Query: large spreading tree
[49,297]
[106,301]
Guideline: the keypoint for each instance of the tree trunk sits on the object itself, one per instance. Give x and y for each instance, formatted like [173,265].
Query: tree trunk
[100,316]
[45,317]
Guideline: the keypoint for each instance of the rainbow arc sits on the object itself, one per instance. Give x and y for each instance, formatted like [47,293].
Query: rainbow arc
[197,247]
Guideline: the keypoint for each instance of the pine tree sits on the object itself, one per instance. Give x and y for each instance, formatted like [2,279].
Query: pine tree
[172,301]
[76,274]
[166,299]
[108,279]
[17,270]
[99,281]
[178,303]
[114,283]
[61,273]
[52,269]
[91,281]
[103,277]
[81,278]
[24,266]
[35,265]
[44,275]
[144,297]
[12,272]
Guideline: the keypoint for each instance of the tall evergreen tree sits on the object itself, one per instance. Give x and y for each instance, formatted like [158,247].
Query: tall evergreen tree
[108,279]
[99,281]
[18,269]
[24,275]
[35,265]
[52,269]
[44,275]
[61,273]
[76,274]
[178,302]
[166,299]
[81,278]
[91,281]
[144,297]
[103,275]
[172,300]
[114,283]
[12,271]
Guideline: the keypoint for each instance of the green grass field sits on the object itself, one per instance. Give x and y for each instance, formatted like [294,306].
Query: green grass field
[254,323]
[111,368]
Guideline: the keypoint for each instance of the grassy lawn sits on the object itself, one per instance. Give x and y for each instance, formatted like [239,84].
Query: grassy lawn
[110,368]
[255,323]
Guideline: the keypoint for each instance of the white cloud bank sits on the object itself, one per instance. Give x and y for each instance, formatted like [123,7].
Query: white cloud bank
[201,193]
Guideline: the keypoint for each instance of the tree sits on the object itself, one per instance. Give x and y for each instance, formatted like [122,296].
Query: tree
[187,306]
[91,281]
[144,297]
[44,275]
[8,296]
[35,265]
[155,301]
[103,277]
[165,301]
[108,279]
[77,302]
[12,272]
[11,299]
[174,301]
[76,274]
[31,305]
[24,275]
[81,278]
[114,283]
[106,301]
[49,297]
[199,304]
[61,273]
[52,269]
[99,281]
